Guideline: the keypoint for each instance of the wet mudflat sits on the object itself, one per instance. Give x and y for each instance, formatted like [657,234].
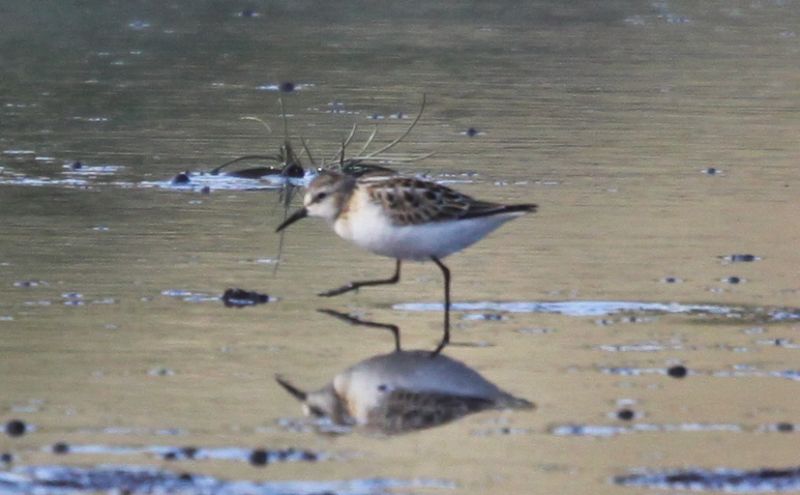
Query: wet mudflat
[649,308]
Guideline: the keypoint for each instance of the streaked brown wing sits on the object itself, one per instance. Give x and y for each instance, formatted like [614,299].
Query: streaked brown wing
[410,201]
[404,411]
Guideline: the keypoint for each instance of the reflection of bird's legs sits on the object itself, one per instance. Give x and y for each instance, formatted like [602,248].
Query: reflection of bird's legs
[446,336]
[356,321]
[363,283]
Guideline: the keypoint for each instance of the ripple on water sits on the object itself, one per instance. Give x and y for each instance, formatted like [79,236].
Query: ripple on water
[740,258]
[141,480]
[607,431]
[186,453]
[21,180]
[199,181]
[680,371]
[604,308]
[82,169]
[190,296]
[722,479]
[284,87]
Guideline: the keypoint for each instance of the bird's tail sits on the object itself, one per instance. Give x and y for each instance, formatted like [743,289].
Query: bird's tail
[511,402]
[524,208]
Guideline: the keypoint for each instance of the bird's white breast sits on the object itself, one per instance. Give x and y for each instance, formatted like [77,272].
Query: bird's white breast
[367,226]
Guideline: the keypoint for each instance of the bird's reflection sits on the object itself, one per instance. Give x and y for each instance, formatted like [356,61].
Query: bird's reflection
[402,391]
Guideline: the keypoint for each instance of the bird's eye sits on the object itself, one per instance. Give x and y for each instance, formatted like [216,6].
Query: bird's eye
[320,196]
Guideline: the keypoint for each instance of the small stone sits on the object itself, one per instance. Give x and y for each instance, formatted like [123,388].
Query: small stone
[677,371]
[60,448]
[189,452]
[471,132]
[15,428]
[286,454]
[287,87]
[76,166]
[181,178]
[239,298]
[160,371]
[733,280]
[259,457]
[625,414]
[784,427]
[6,458]
[308,456]
[170,456]
[186,477]
[205,190]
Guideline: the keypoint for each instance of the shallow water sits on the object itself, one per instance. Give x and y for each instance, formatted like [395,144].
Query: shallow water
[658,138]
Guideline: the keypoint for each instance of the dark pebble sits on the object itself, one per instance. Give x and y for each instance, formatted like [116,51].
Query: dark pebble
[248,13]
[239,298]
[15,428]
[711,171]
[785,427]
[259,457]
[472,132]
[309,456]
[205,190]
[625,414]
[181,178]
[285,454]
[742,258]
[185,477]
[733,280]
[6,457]
[286,87]
[189,452]
[60,448]
[670,280]
[677,371]
[170,456]
[76,166]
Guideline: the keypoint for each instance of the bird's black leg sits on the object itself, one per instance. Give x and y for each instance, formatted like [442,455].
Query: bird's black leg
[374,324]
[363,283]
[446,336]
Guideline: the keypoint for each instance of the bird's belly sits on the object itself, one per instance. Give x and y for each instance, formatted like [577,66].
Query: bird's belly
[420,242]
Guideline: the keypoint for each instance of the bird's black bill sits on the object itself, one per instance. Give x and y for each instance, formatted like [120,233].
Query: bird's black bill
[296,392]
[298,215]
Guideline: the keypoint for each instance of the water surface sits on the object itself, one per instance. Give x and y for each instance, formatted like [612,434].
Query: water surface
[658,138]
